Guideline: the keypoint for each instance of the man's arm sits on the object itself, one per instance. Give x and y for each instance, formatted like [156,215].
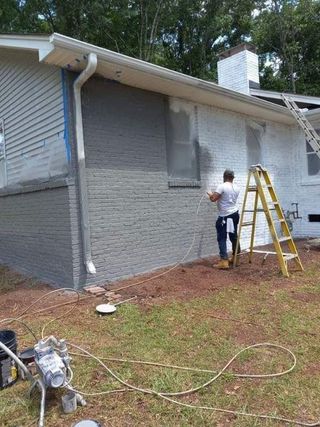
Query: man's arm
[213,196]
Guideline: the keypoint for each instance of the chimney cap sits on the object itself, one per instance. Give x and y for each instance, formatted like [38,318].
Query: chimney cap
[236,49]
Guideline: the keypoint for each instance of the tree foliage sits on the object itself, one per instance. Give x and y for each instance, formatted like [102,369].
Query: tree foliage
[186,35]
[288,37]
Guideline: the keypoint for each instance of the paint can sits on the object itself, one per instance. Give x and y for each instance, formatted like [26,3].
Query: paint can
[8,367]
[69,402]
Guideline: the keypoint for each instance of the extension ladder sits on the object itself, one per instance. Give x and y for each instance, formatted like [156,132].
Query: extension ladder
[265,192]
[311,135]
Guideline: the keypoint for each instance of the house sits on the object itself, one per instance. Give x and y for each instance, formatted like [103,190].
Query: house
[104,158]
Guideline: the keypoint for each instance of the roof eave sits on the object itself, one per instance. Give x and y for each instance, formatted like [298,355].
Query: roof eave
[31,42]
[160,79]
[279,113]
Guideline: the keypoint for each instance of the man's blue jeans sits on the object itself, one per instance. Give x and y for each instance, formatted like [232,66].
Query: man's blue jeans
[221,226]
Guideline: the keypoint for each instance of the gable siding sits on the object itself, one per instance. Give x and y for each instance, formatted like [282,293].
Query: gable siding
[31,104]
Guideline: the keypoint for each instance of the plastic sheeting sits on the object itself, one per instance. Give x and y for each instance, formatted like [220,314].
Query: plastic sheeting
[182,141]
[254,133]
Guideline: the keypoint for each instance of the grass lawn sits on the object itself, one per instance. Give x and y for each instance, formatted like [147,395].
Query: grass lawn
[184,331]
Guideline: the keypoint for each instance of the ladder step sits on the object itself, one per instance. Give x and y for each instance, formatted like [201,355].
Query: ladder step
[252,188]
[285,239]
[247,223]
[258,210]
[287,257]
[279,220]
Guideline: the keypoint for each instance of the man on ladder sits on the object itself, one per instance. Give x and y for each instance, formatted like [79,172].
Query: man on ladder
[226,196]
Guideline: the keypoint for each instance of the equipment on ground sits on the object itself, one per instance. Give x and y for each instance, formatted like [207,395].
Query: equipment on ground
[106,309]
[265,192]
[52,363]
[311,135]
[8,367]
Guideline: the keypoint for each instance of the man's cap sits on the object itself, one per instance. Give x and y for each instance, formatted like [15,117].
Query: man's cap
[228,173]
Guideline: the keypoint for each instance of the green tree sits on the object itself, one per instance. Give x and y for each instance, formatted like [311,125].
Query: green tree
[286,33]
[9,16]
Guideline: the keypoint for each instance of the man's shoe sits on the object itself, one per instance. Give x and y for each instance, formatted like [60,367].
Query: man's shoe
[223,264]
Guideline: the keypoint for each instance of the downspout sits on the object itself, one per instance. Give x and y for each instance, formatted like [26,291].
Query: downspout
[83,190]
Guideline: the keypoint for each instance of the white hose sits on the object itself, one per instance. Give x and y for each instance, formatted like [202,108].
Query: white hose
[167,396]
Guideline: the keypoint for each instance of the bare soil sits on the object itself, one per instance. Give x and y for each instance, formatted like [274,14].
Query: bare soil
[186,282]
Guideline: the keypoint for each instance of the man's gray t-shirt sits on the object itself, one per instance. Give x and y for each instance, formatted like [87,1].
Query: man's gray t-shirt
[227,204]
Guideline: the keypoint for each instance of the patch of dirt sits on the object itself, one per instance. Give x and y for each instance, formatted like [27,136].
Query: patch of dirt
[312,370]
[185,282]
[200,278]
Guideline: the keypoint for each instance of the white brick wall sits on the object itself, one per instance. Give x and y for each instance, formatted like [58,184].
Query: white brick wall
[307,188]
[236,71]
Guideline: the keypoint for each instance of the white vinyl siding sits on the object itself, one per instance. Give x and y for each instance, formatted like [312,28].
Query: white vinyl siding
[32,107]
[3,172]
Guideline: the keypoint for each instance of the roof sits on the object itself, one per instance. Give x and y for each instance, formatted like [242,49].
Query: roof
[313,115]
[71,54]
[303,101]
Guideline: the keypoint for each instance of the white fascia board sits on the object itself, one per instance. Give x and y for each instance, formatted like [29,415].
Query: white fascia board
[27,42]
[82,48]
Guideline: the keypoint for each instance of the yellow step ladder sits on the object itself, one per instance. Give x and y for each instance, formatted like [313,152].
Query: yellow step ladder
[265,192]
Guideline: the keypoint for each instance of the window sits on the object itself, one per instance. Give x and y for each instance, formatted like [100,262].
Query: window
[3,172]
[182,144]
[313,160]
[254,133]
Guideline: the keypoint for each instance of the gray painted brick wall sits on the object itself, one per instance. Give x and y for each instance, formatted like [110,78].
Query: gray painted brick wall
[35,234]
[137,222]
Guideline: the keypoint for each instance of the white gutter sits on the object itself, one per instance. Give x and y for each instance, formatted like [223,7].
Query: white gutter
[108,56]
[83,190]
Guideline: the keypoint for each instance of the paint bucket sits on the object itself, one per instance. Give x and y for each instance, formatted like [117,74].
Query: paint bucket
[69,402]
[8,367]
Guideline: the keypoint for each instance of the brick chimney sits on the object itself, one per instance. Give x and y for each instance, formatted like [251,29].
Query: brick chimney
[238,68]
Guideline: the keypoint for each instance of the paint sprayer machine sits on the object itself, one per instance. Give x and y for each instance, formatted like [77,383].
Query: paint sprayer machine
[52,363]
